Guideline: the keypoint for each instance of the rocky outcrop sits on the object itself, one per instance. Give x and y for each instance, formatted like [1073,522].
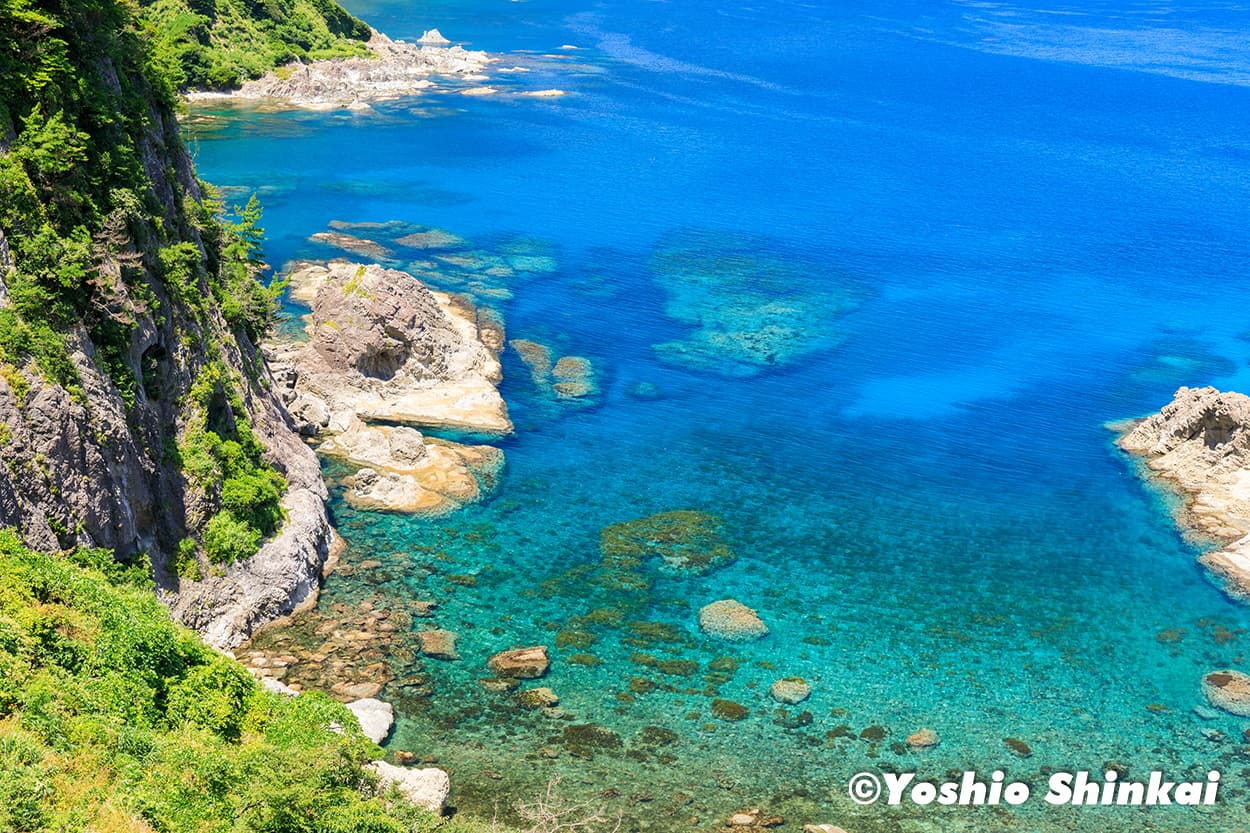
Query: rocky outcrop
[732,621]
[1199,447]
[384,348]
[393,69]
[403,471]
[386,355]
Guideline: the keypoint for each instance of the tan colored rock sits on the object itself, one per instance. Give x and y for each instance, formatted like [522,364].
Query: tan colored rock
[923,739]
[1199,447]
[822,828]
[732,621]
[521,663]
[1228,690]
[439,644]
[407,472]
[383,347]
[537,698]
[569,378]
[790,690]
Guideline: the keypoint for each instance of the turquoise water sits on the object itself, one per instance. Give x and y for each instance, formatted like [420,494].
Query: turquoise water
[959,238]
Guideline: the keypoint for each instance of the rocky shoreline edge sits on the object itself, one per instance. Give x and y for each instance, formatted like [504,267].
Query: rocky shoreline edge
[1198,448]
[393,69]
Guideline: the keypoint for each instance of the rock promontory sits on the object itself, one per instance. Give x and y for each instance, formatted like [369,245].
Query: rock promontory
[386,357]
[1199,446]
[392,69]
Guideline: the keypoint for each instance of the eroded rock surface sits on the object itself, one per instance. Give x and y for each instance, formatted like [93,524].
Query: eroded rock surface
[384,348]
[1199,446]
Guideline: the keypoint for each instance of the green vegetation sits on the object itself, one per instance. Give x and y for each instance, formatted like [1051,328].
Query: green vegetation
[221,456]
[113,718]
[83,104]
[220,43]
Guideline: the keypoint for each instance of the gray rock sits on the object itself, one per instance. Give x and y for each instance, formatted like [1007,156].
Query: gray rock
[277,687]
[428,788]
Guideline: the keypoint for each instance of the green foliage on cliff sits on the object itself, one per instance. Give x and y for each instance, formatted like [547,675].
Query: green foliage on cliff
[220,43]
[113,718]
[95,196]
[220,453]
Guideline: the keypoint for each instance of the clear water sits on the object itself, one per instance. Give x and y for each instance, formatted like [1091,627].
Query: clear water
[1009,224]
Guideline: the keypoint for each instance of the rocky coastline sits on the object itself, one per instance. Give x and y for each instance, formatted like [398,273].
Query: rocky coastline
[385,358]
[393,69]
[1198,448]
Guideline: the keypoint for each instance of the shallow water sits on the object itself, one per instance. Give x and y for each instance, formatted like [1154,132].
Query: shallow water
[1005,225]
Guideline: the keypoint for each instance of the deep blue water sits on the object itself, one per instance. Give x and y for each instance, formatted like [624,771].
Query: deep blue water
[1008,225]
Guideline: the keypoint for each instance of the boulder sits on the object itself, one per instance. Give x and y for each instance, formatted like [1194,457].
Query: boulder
[790,690]
[537,698]
[732,621]
[923,739]
[1228,690]
[521,663]
[375,716]
[439,644]
[822,828]
[428,788]
[277,687]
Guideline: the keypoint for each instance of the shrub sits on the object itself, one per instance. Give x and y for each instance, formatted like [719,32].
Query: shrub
[228,539]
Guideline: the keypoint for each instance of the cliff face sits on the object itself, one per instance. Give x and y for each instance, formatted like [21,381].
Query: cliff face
[136,413]
[1198,445]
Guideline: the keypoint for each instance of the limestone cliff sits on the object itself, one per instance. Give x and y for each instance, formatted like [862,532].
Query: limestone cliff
[136,413]
[1199,446]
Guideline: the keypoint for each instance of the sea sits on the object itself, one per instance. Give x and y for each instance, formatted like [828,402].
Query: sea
[862,285]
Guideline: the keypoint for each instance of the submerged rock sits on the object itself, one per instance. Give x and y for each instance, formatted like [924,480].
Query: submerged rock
[753,306]
[439,644]
[375,716]
[790,690]
[428,788]
[1199,445]
[686,541]
[729,710]
[1228,690]
[732,621]
[569,379]
[923,739]
[585,739]
[521,663]
[1018,747]
[537,698]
